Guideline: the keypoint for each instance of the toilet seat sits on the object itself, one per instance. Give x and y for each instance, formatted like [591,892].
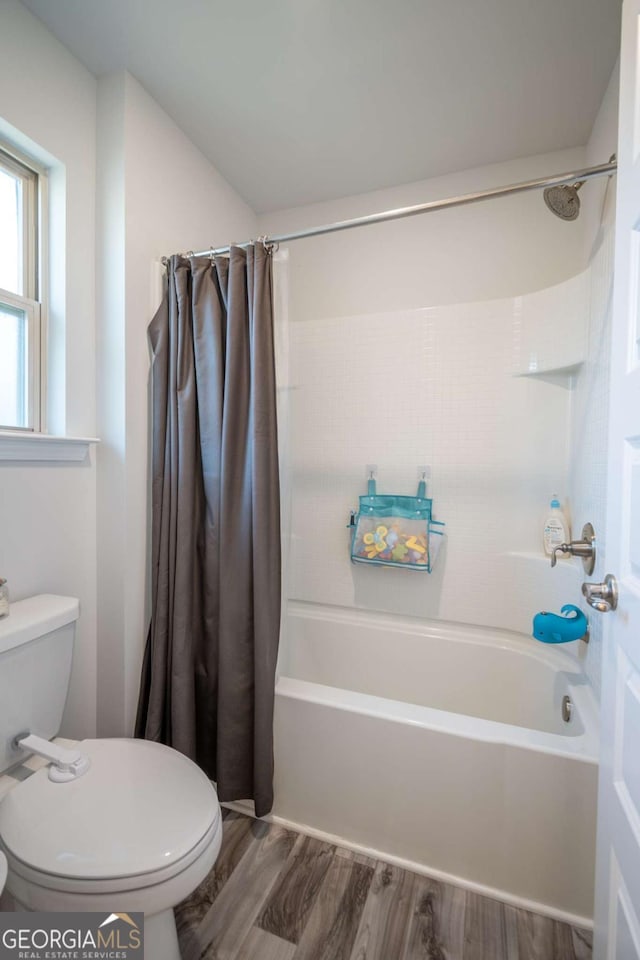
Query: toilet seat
[140,816]
[81,886]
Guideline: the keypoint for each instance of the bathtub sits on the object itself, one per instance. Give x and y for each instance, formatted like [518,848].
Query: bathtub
[441,748]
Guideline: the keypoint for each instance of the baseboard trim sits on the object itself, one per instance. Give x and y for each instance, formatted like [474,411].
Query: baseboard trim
[576,920]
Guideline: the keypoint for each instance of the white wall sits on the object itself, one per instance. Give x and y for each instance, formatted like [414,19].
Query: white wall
[431,386]
[111,377]
[441,386]
[156,194]
[168,198]
[498,248]
[48,512]
[404,340]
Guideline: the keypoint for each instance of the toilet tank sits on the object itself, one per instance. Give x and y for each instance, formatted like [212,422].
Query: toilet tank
[36,647]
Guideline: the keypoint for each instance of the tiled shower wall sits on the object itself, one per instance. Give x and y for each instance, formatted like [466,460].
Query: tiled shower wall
[589,421]
[590,412]
[506,401]
[432,386]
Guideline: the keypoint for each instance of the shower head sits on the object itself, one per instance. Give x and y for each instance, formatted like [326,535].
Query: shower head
[564,200]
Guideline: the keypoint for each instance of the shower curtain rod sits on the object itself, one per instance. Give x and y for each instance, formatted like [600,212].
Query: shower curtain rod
[588,173]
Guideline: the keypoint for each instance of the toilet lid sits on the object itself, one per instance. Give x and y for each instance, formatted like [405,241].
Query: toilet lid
[140,807]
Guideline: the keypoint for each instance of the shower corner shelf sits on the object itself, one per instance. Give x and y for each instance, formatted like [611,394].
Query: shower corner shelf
[562,374]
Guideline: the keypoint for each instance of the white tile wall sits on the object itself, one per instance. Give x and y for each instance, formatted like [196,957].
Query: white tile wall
[430,386]
[552,328]
[589,421]
[444,386]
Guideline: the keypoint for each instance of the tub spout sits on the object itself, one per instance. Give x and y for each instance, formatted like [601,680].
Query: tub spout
[554,628]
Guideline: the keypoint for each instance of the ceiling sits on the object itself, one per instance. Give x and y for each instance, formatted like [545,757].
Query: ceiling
[298,101]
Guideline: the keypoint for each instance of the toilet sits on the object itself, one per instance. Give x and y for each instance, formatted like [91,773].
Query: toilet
[116,826]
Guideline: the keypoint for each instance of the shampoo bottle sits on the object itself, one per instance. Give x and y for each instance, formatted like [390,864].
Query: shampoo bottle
[556,529]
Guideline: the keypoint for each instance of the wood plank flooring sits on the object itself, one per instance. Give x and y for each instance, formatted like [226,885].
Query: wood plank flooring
[278,895]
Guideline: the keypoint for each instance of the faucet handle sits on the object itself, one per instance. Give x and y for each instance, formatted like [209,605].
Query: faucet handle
[585,548]
[602,596]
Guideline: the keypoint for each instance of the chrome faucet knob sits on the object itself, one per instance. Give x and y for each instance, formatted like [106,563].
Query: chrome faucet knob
[603,597]
[585,548]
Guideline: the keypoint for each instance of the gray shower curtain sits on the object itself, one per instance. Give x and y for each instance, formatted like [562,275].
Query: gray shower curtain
[209,668]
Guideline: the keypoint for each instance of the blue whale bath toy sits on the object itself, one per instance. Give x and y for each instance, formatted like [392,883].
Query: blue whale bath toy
[553,628]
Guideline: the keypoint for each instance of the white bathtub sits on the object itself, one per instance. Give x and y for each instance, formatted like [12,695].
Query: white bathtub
[442,748]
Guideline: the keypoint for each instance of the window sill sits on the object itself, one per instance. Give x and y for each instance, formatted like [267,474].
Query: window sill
[39,447]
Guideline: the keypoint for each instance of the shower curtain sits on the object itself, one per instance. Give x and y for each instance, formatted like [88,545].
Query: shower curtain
[208,676]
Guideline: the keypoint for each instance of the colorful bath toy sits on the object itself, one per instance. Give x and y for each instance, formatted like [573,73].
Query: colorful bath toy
[375,543]
[417,544]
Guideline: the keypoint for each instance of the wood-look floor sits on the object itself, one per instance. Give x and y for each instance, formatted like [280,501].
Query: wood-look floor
[278,895]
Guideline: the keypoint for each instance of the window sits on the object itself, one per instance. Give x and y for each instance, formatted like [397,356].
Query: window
[20,313]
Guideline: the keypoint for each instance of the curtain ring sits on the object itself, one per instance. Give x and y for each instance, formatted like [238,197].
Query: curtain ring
[268,245]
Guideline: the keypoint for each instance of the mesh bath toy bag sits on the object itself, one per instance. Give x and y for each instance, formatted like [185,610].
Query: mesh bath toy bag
[396,531]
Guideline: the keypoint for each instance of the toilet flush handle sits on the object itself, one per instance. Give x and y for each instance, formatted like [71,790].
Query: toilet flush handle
[65,764]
